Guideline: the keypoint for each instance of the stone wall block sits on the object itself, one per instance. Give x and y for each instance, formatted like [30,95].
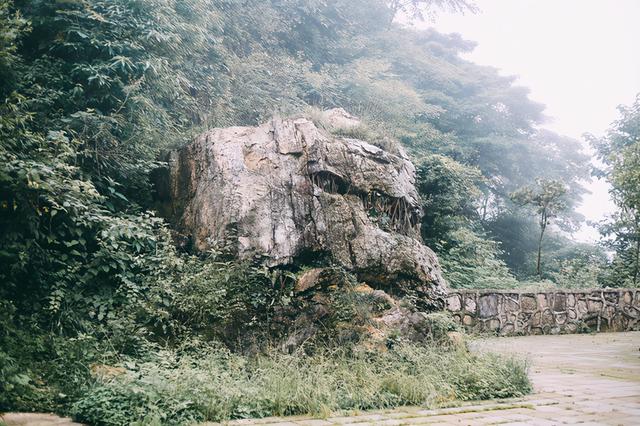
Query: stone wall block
[511,302]
[611,296]
[609,312]
[528,303]
[488,306]
[507,330]
[560,318]
[494,325]
[453,303]
[547,318]
[582,306]
[470,303]
[594,305]
[560,302]
[541,298]
[632,312]
[536,319]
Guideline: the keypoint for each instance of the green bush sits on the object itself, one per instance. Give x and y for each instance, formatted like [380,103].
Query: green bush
[216,299]
[123,404]
[439,324]
[44,372]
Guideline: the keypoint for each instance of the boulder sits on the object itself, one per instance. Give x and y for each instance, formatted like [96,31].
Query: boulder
[288,191]
[308,280]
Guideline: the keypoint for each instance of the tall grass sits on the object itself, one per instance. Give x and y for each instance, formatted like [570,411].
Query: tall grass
[217,385]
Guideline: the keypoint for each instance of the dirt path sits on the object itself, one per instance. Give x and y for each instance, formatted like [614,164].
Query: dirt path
[578,379]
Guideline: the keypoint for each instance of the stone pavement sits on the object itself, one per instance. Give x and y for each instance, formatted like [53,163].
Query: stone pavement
[578,379]
[35,419]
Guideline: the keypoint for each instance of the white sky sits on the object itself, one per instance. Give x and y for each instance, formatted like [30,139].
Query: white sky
[581,58]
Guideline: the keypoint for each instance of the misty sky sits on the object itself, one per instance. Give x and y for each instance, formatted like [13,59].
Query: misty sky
[579,57]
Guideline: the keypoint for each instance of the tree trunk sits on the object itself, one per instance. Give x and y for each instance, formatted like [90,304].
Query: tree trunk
[485,202]
[637,263]
[543,227]
[538,269]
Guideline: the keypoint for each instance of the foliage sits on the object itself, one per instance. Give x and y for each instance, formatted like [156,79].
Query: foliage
[473,262]
[449,199]
[415,87]
[177,387]
[450,202]
[194,299]
[480,125]
[153,73]
[92,99]
[574,265]
[419,9]
[217,299]
[438,325]
[619,152]
[547,199]
[91,91]
[578,273]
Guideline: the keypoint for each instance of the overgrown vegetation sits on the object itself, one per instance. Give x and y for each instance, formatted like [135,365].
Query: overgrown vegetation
[619,152]
[179,387]
[102,317]
[219,385]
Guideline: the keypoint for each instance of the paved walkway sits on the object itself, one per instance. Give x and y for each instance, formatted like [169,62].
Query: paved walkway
[578,379]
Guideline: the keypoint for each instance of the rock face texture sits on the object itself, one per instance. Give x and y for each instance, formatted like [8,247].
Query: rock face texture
[288,190]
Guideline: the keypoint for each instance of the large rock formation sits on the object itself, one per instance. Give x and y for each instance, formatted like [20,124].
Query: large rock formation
[289,190]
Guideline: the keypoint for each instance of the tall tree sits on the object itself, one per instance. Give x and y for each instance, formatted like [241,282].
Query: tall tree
[619,152]
[547,200]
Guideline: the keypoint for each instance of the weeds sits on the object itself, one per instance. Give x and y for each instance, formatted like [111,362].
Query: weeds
[178,388]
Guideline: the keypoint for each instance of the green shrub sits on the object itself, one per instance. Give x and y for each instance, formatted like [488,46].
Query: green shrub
[439,324]
[213,298]
[122,404]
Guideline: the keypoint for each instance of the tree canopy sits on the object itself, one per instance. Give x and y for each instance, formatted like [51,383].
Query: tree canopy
[619,152]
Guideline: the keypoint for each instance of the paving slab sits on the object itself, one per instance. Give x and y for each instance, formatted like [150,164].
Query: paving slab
[36,419]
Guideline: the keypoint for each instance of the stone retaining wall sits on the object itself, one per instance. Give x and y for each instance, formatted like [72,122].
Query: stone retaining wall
[546,312]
